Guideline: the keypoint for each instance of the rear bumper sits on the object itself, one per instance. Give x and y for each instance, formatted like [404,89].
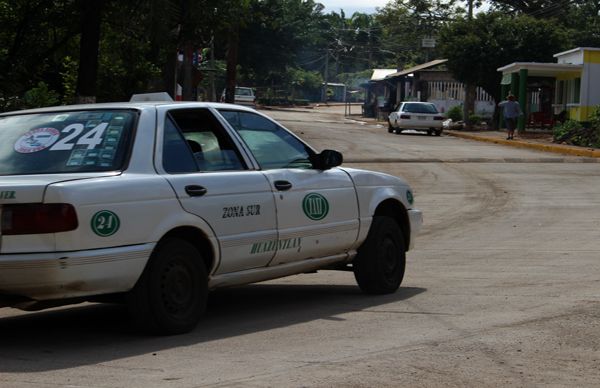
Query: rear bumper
[60,275]
[436,125]
[415,217]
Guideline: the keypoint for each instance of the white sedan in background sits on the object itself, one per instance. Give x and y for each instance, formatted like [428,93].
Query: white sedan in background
[422,116]
[154,204]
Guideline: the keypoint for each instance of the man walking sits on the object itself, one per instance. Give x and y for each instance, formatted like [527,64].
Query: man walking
[511,111]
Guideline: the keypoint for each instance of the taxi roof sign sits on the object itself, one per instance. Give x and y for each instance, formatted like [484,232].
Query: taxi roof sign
[146,97]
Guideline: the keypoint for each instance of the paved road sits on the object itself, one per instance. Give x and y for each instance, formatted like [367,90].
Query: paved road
[502,289]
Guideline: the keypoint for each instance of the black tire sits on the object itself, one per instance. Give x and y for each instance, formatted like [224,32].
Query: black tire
[381,260]
[397,131]
[429,132]
[438,132]
[390,128]
[170,296]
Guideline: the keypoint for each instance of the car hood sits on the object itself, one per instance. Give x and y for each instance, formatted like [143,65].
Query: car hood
[364,178]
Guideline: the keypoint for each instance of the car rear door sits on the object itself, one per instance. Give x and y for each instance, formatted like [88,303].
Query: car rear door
[211,178]
[317,211]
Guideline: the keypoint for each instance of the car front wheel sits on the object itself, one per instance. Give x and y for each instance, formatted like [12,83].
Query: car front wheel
[381,260]
[390,127]
[170,296]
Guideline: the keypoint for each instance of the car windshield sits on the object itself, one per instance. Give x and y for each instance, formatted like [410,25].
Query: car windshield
[63,142]
[419,108]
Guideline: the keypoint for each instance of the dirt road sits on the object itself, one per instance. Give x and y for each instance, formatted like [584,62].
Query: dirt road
[501,289]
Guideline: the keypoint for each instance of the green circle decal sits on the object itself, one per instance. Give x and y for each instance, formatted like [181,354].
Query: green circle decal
[315,206]
[409,197]
[105,223]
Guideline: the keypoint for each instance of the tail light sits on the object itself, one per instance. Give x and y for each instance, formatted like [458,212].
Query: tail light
[438,118]
[38,218]
[405,117]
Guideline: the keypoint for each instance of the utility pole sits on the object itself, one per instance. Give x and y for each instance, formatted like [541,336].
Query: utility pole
[213,93]
[470,88]
[325,77]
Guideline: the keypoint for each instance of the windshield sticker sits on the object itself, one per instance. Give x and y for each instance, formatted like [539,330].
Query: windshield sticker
[315,206]
[90,139]
[277,245]
[105,223]
[76,158]
[36,140]
[60,118]
[84,149]
[93,123]
[7,195]
[91,116]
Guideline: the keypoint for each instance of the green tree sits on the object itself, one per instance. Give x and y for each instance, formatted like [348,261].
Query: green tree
[34,37]
[476,49]
[274,36]
[406,22]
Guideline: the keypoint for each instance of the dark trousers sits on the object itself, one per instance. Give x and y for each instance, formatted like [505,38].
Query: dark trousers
[511,123]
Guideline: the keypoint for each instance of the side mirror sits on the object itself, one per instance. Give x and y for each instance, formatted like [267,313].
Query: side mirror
[326,159]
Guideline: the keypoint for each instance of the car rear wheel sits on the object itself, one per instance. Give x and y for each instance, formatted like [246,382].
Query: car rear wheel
[438,132]
[381,260]
[170,296]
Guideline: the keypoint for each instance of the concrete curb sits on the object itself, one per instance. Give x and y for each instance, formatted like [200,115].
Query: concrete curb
[555,148]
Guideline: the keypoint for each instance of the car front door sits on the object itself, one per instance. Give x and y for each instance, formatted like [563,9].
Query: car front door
[317,210]
[212,180]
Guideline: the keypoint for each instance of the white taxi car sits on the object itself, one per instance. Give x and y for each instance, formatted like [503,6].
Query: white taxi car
[416,115]
[154,204]
[242,96]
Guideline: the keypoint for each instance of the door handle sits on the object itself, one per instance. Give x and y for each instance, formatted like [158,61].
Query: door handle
[195,191]
[283,185]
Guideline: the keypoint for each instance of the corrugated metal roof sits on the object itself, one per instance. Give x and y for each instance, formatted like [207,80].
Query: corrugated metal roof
[417,68]
[379,74]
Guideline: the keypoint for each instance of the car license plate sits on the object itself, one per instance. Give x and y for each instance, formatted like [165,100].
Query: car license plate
[422,117]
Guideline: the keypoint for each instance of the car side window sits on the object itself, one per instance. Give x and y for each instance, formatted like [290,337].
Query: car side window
[271,145]
[195,135]
[176,157]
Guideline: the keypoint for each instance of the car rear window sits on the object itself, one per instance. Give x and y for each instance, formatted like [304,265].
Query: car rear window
[419,108]
[243,92]
[59,142]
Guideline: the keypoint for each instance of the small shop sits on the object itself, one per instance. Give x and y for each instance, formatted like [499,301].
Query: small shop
[553,92]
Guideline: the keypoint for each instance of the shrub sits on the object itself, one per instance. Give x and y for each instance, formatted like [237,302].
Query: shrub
[40,96]
[575,133]
[455,113]
[595,118]
[475,119]
[561,130]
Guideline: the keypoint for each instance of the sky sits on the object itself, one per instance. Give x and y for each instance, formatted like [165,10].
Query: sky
[351,6]
[365,6]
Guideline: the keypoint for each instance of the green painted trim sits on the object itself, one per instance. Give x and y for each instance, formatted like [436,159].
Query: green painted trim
[522,98]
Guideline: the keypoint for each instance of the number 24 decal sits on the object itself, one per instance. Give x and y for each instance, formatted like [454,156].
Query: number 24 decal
[91,139]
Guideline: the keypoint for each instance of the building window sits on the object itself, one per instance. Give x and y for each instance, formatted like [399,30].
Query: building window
[568,92]
[576,90]
[560,92]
